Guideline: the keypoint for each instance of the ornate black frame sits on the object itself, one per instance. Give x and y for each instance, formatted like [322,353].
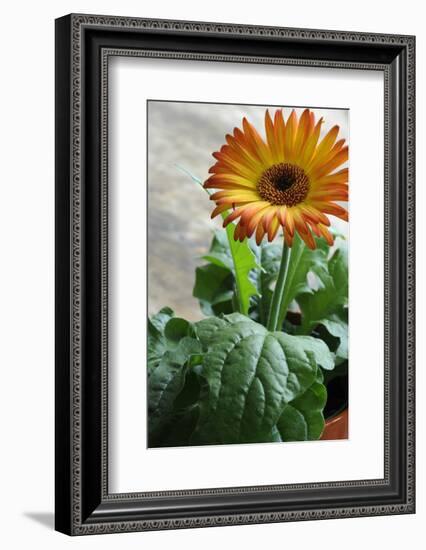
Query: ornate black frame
[83,46]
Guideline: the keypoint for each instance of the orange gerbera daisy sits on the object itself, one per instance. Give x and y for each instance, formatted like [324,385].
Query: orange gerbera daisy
[287,181]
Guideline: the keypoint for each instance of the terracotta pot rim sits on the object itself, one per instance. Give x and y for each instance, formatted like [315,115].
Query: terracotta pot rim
[336,416]
[336,427]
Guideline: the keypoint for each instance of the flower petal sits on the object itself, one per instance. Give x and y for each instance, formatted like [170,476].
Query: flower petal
[262,150]
[302,132]
[311,143]
[290,132]
[288,238]
[216,180]
[314,227]
[333,209]
[279,133]
[270,137]
[335,162]
[273,229]
[248,146]
[219,210]
[260,233]
[289,222]
[282,215]
[327,142]
[231,193]
[338,177]
[326,234]
[252,209]
[269,215]
[240,152]
[254,221]
[234,215]
[314,214]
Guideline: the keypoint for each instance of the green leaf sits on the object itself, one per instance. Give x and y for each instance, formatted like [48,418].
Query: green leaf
[166,382]
[330,297]
[302,261]
[251,376]
[177,432]
[219,253]
[303,418]
[157,342]
[178,426]
[270,254]
[338,269]
[158,321]
[214,288]
[318,349]
[269,260]
[320,376]
[174,353]
[292,425]
[166,333]
[228,273]
[311,404]
[242,262]
[177,328]
[337,325]
[206,329]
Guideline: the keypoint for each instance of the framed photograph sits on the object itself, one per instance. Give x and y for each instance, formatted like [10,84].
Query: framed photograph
[234,274]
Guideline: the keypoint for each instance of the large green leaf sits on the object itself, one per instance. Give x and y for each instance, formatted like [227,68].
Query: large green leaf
[167,381]
[165,333]
[228,380]
[173,353]
[303,418]
[252,375]
[207,328]
[332,294]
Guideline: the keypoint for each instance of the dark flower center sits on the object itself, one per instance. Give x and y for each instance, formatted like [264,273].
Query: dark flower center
[283,183]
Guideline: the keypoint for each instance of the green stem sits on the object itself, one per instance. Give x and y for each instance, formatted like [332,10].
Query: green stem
[297,250]
[279,289]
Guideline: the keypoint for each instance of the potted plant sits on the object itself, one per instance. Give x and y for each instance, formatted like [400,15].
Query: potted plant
[269,362]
